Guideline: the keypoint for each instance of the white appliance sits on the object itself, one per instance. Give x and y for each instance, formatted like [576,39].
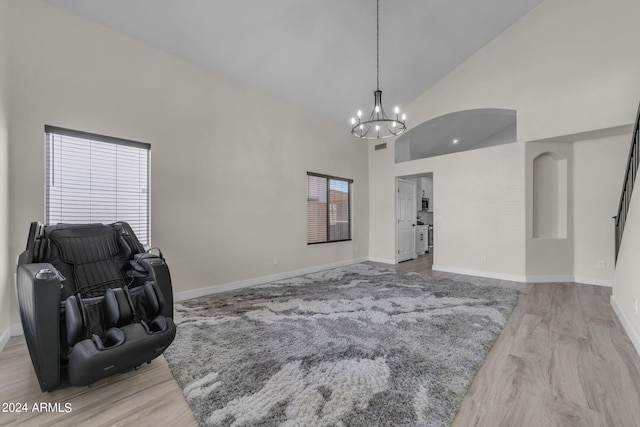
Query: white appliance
[422,239]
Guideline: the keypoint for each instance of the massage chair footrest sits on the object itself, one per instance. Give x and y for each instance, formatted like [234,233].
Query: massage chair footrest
[88,363]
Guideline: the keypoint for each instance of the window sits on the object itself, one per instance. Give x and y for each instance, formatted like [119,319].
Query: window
[328,208]
[94,178]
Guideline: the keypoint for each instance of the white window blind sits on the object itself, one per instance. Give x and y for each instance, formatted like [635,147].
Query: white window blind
[328,208]
[94,178]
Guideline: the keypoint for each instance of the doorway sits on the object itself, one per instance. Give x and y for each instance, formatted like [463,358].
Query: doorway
[406,220]
[420,220]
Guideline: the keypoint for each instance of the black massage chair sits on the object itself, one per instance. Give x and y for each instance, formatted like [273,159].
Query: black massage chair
[92,301]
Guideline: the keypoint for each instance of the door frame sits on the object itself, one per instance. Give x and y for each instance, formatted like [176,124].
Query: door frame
[397,228]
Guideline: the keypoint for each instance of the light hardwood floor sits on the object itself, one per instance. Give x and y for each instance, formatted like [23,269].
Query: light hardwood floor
[148,396]
[562,360]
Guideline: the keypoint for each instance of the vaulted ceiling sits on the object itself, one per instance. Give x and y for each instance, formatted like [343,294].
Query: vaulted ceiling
[317,54]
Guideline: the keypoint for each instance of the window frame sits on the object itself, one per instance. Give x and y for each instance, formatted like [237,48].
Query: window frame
[328,207]
[93,138]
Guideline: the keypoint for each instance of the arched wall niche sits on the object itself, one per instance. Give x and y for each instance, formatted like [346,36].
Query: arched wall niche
[550,197]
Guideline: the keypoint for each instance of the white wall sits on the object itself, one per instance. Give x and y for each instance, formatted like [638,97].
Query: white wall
[626,286]
[597,180]
[5,271]
[228,163]
[566,67]
[476,193]
[595,162]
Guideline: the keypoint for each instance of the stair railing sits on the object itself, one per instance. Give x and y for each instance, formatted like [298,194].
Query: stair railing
[627,186]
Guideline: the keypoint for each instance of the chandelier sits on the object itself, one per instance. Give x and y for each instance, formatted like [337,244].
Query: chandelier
[378,125]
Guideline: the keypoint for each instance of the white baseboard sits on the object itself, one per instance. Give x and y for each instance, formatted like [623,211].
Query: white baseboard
[181,296]
[549,279]
[594,281]
[382,260]
[4,339]
[570,279]
[12,331]
[480,273]
[629,329]
[16,330]
[526,279]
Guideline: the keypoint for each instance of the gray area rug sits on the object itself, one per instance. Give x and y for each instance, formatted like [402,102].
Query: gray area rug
[353,346]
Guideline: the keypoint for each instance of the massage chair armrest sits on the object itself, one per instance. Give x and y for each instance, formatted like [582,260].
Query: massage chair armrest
[159,273]
[38,289]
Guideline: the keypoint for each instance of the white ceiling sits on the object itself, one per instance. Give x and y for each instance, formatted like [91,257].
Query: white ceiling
[317,54]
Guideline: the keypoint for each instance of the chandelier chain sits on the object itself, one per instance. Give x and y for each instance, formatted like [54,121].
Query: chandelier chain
[378,44]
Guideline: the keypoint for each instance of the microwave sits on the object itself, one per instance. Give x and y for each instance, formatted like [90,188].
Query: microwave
[425,204]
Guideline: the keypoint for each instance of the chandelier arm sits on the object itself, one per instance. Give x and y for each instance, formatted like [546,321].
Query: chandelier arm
[372,116]
[383,115]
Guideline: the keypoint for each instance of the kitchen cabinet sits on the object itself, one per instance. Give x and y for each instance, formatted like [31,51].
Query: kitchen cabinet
[422,239]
